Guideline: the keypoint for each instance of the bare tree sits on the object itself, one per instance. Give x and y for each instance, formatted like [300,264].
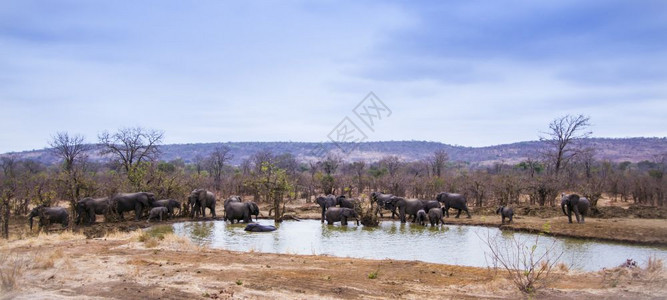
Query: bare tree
[216,162]
[438,162]
[198,163]
[8,188]
[358,167]
[69,148]
[131,146]
[562,137]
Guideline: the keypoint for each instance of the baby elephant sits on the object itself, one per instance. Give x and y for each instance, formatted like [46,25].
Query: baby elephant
[157,212]
[435,216]
[505,212]
[421,217]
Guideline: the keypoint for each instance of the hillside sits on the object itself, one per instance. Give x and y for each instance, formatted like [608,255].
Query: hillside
[627,149]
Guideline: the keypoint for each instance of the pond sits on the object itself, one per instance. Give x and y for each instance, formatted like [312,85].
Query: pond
[448,244]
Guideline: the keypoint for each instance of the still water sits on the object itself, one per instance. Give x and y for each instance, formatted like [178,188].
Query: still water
[448,244]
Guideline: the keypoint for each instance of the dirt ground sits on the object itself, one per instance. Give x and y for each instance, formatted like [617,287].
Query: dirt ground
[115,260]
[121,266]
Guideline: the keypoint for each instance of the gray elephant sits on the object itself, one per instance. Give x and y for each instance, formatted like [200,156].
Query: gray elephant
[421,217]
[170,204]
[455,201]
[435,216]
[88,208]
[199,200]
[576,204]
[229,200]
[137,202]
[255,227]
[341,214]
[407,207]
[325,202]
[48,215]
[505,212]
[158,212]
[384,202]
[343,201]
[428,204]
[237,211]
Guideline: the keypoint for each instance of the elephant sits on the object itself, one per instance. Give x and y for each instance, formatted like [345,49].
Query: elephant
[421,217]
[229,200]
[456,201]
[505,212]
[343,201]
[384,202]
[341,214]
[255,227]
[87,208]
[574,203]
[435,216]
[123,202]
[241,211]
[325,202]
[428,204]
[407,206]
[170,204]
[48,215]
[199,200]
[157,212]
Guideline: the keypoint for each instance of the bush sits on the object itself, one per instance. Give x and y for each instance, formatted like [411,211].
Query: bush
[526,268]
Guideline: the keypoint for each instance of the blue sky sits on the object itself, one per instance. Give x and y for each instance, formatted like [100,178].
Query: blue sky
[470,73]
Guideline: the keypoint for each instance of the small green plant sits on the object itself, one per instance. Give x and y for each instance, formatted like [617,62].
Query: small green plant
[546,227]
[239,282]
[373,275]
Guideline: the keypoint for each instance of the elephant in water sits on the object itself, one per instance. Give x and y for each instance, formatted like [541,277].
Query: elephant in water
[407,207]
[170,204]
[576,204]
[199,200]
[456,201]
[384,201]
[241,211]
[88,208]
[230,200]
[254,227]
[325,202]
[341,214]
[157,213]
[505,212]
[421,217]
[435,216]
[137,202]
[48,215]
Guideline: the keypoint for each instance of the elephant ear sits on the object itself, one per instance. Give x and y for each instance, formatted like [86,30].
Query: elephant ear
[201,195]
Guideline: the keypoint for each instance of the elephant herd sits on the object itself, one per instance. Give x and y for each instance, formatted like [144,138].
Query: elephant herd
[420,210]
[333,209]
[142,204]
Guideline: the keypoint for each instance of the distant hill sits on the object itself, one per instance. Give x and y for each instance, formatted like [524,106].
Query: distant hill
[625,149]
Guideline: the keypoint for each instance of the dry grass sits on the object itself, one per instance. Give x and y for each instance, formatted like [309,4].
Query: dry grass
[47,261]
[11,268]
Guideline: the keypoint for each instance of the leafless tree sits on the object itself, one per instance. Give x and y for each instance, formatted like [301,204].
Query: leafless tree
[69,148]
[8,188]
[198,162]
[358,167]
[216,162]
[131,146]
[438,162]
[562,138]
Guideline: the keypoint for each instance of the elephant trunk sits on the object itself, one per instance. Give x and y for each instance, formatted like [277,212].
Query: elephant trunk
[562,206]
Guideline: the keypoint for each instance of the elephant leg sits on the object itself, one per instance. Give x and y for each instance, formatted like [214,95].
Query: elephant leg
[458,214]
[343,221]
[569,215]
[446,211]
[322,219]
[137,212]
[576,213]
[402,215]
[213,212]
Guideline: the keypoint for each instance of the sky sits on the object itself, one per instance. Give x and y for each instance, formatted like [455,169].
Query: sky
[471,73]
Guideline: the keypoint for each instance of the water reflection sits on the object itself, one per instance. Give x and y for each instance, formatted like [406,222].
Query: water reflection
[463,245]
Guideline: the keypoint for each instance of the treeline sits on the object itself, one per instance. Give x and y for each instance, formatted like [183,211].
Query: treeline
[269,176]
